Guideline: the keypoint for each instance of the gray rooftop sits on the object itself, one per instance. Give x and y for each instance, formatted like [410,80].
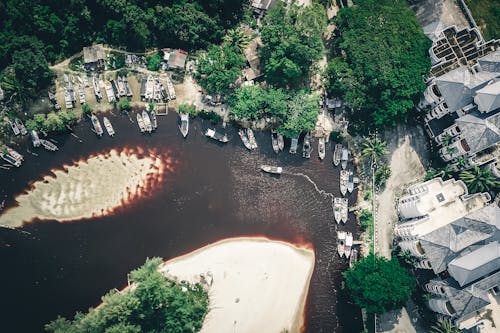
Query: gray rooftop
[488,98]
[480,131]
[490,62]
[93,53]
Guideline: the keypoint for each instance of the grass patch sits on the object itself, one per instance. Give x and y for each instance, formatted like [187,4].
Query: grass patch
[487,14]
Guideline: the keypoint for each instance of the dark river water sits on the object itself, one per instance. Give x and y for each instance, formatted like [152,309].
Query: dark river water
[214,192]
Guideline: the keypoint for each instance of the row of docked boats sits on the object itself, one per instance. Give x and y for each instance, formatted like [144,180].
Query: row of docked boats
[340,209]
[248,138]
[98,127]
[17,127]
[37,142]
[147,121]
[340,156]
[11,156]
[346,181]
[344,243]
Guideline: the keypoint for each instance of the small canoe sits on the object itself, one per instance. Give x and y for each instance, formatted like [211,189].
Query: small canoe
[244,139]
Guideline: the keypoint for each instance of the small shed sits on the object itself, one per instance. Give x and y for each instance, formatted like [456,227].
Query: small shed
[94,58]
[177,59]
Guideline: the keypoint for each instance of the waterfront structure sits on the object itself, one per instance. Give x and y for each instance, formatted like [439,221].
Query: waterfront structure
[261,6]
[94,58]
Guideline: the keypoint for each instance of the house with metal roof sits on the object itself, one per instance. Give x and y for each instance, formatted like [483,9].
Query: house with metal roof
[176,59]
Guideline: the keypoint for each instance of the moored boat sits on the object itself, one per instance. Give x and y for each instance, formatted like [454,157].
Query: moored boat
[20,126]
[345,158]
[251,138]
[345,210]
[216,136]
[14,154]
[321,148]
[9,159]
[48,145]
[350,182]
[348,245]
[244,139]
[337,154]
[147,121]
[35,139]
[97,125]
[272,169]
[341,235]
[293,145]
[337,209]
[274,141]
[306,146]
[353,258]
[344,175]
[14,127]
[154,120]
[184,127]
[140,122]
[281,142]
[108,126]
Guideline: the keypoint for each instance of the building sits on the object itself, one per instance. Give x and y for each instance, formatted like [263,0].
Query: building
[176,59]
[94,58]
[251,52]
[463,98]
[261,6]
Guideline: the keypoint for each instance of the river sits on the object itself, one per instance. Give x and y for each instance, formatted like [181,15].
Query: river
[214,192]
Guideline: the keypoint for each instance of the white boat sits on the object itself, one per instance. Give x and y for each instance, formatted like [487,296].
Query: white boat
[337,209]
[307,147]
[35,139]
[274,141]
[244,139]
[337,154]
[341,236]
[216,136]
[345,158]
[147,121]
[281,142]
[350,182]
[348,245]
[14,127]
[353,258]
[345,210]
[14,154]
[140,122]
[293,145]
[272,169]
[108,126]
[97,125]
[154,121]
[7,158]
[48,145]
[251,138]
[97,89]
[344,176]
[20,126]
[184,127]
[321,148]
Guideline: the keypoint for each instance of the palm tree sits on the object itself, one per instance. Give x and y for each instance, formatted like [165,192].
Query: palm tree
[446,172]
[446,139]
[444,326]
[461,162]
[373,149]
[237,37]
[479,180]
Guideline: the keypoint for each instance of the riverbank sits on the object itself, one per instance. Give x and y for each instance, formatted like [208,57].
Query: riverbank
[254,284]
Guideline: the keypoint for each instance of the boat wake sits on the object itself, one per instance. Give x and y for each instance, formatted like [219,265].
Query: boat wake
[320,191]
[92,187]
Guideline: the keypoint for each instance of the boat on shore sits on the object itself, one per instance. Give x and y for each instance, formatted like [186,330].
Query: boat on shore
[281,142]
[48,145]
[345,158]
[108,126]
[20,126]
[216,136]
[344,176]
[350,182]
[344,210]
[184,126]
[348,245]
[97,125]
[154,120]
[274,141]
[337,209]
[341,236]
[140,122]
[35,139]
[244,139]
[353,258]
[306,146]
[321,148]
[272,169]
[293,145]
[251,138]
[337,154]
[14,127]
[147,121]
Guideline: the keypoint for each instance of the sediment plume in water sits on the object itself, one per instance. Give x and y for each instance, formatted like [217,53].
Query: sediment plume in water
[92,187]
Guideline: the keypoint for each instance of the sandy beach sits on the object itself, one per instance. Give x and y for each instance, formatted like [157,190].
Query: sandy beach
[88,188]
[254,284]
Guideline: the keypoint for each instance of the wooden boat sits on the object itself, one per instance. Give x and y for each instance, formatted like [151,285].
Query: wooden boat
[341,236]
[345,158]
[216,136]
[9,159]
[147,121]
[97,89]
[344,175]
[251,138]
[281,142]
[348,245]
[353,258]
[184,127]
[337,209]
[108,126]
[350,182]
[345,210]
[20,126]
[97,125]
[140,122]
[244,139]
[154,121]
[272,169]
[14,127]
[337,154]
[321,148]
[293,145]
[48,145]
[35,139]
[306,146]
[274,141]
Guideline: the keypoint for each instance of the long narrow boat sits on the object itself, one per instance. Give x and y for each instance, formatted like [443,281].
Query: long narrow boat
[108,126]
[341,235]
[306,146]
[345,158]
[147,121]
[48,145]
[337,209]
[281,142]
[350,182]
[35,139]
[7,158]
[293,145]
[353,258]
[321,148]
[251,138]
[14,127]
[184,127]
[154,121]
[140,122]
[20,126]
[337,154]
[244,139]
[274,141]
[345,210]
[348,245]
[272,169]
[216,136]
[14,154]
[97,125]
[344,175]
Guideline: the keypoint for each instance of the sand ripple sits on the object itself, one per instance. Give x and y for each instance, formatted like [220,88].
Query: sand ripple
[92,187]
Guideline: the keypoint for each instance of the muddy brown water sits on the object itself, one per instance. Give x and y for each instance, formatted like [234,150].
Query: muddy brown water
[214,192]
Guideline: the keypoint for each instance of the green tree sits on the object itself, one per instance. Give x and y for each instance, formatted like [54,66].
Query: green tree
[187,108]
[444,326]
[302,115]
[382,173]
[479,180]
[373,149]
[237,37]
[378,284]
[153,62]
[124,105]
[86,109]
